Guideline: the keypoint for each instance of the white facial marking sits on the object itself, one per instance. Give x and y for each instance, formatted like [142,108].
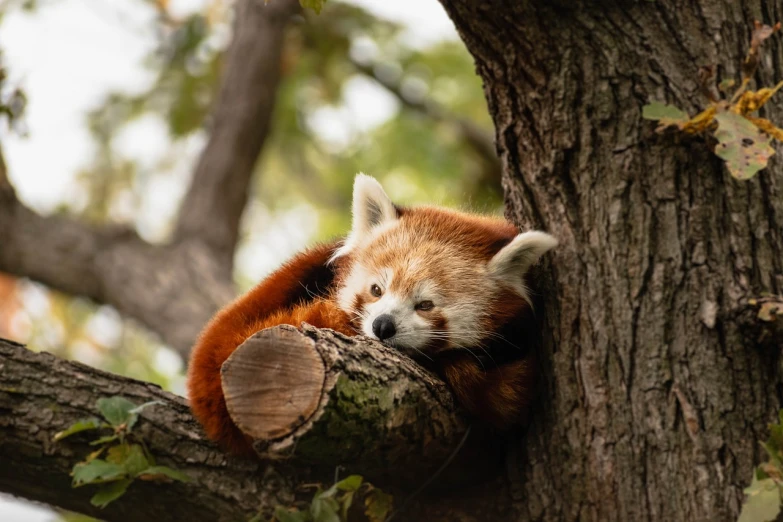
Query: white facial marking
[412,330]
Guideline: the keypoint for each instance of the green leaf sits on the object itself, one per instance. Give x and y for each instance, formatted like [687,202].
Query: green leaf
[109,493]
[665,114]
[763,502]
[158,472]
[775,442]
[378,505]
[118,411]
[351,483]
[324,509]
[315,5]
[79,426]
[130,456]
[96,471]
[346,504]
[283,515]
[103,440]
[742,145]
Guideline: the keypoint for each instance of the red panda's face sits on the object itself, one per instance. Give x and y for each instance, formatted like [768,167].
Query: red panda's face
[417,294]
[430,279]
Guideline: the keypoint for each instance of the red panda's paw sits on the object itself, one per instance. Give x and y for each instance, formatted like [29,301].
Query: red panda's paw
[500,396]
[465,378]
[508,393]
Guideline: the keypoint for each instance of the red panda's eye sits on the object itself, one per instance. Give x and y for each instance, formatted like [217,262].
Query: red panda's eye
[425,306]
[376,290]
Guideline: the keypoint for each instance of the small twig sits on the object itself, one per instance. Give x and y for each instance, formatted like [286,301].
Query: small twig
[479,139]
[740,91]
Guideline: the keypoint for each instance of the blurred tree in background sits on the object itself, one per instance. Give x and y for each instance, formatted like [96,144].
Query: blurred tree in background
[414,142]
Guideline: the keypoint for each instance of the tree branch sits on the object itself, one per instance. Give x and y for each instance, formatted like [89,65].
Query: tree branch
[173,290]
[41,395]
[344,401]
[213,206]
[480,140]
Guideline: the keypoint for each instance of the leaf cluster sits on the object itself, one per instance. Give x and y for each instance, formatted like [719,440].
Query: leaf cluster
[121,456]
[743,139]
[764,498]
[340,503]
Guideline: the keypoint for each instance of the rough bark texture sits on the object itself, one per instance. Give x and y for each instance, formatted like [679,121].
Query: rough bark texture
[172,289]
[655,387]
[331,400]
[41,395]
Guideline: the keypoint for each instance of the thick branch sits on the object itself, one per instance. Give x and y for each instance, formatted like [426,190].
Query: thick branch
[172,290]
[41,395]
[344,401]
[240,123]
[355,426]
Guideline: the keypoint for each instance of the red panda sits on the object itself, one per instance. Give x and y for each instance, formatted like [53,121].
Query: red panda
[443,286]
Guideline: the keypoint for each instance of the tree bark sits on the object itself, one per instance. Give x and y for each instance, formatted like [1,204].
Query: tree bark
[382,416]
[327,400]
[655,387]
[41,395]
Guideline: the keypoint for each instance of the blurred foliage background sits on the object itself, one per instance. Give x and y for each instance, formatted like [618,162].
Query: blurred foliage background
[412,138]
[357,95]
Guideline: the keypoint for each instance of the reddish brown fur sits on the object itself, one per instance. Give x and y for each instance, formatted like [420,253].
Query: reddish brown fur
[263,306]
[497,390]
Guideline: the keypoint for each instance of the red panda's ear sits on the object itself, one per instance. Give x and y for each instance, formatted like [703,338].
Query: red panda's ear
[515,259]
[372,208]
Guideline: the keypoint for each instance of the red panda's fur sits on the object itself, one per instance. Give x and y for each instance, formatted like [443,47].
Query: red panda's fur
[496,388]
[305,277]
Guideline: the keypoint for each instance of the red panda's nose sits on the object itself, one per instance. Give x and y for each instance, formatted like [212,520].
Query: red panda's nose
[383,327]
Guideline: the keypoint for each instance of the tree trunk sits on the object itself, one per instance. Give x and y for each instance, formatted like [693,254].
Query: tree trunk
[655,387]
